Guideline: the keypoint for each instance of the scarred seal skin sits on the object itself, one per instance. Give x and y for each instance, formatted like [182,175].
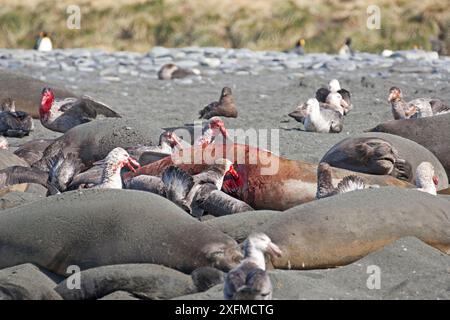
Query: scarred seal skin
[266,181]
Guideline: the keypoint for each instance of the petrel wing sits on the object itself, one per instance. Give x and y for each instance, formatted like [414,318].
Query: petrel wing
[18,174]
[350,183]
[322,94]
[234,280]
[257,286]
[218,203]
[209,111]
[86,107]
[178,183]
[147,183]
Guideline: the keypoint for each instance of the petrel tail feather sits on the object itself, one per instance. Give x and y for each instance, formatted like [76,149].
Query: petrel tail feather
[350,183]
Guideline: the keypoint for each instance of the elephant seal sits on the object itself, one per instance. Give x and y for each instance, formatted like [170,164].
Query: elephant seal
[98,227]
[147,281]
[430,132]
[382,153]
[240,226]
[339,230]
[26,91]
[265,181]
[26,282]
[205,278]
[8,159]
[93,141]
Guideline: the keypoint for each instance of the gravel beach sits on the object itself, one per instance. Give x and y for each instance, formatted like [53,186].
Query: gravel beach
[266,86]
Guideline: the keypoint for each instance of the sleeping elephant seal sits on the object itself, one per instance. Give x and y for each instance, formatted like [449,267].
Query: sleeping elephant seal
[382,153]
[144,280]
[26,91]
[265,181]
[431,132]
[93,141]
[99,227]
[339,230]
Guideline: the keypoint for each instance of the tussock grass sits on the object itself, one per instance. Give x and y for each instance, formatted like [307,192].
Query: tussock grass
[137,25]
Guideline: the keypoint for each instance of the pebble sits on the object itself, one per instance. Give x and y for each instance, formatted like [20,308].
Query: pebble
[186,81]
[216,60]
[211,62]
[86,69]
[188,64]
[111,79]
[148,67]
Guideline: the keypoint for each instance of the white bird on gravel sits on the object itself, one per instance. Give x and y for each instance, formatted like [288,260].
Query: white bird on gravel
[322,120]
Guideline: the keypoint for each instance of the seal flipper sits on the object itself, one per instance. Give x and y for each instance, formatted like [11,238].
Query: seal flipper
[325,186]
[178,183]
[402,170]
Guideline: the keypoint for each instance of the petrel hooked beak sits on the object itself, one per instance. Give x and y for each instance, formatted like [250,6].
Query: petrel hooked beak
[274,250]
[344,103]
[223,131]
[233,172]
[132,163]
[391,96]
[435,180]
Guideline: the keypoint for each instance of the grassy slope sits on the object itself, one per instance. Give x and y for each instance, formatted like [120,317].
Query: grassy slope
[271,24]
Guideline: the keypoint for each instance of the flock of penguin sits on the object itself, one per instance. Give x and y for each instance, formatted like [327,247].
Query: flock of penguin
[193,193]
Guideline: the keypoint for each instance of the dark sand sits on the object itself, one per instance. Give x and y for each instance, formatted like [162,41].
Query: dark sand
[263,101]
[410,269]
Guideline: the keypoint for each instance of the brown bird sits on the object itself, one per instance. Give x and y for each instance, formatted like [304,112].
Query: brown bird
[171,71]
[225,107]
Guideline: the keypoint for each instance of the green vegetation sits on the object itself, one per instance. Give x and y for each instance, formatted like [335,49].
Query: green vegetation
[138,25]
